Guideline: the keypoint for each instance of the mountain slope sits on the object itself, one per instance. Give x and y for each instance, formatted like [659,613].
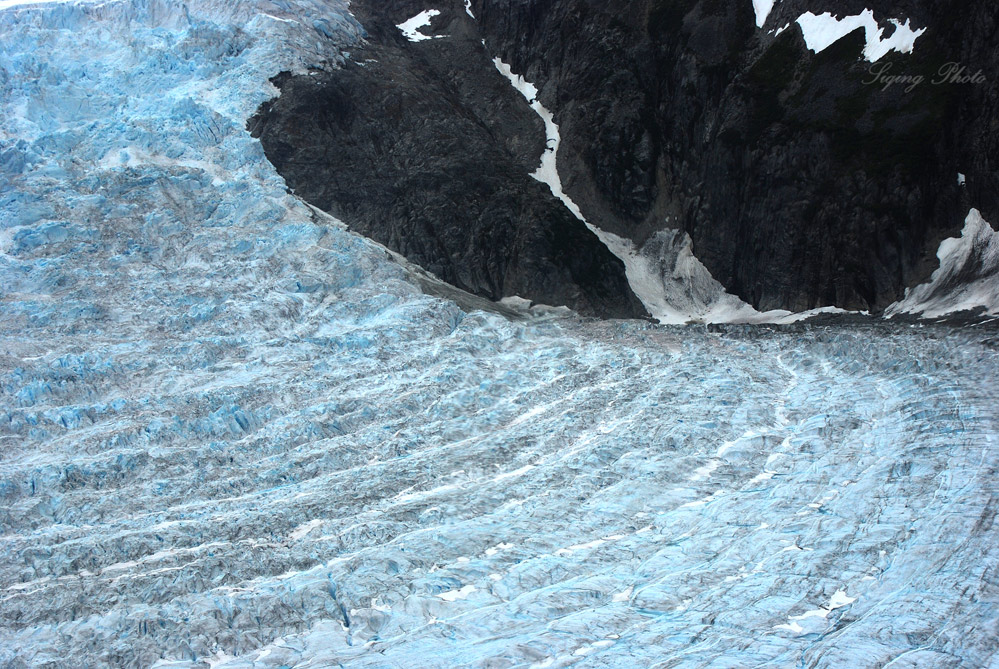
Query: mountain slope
[799,176]
[429,151]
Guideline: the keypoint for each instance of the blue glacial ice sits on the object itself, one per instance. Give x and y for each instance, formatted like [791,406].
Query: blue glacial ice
[235,434]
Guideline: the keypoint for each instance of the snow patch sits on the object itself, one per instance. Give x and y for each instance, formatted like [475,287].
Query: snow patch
[302,530]
[497,548]
[823,30]
[705,471]
[762,9]
[411,28]
[624,595]
[838,600]
[792,627]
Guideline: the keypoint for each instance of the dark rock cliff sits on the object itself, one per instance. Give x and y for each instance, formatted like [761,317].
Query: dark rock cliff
[427,149]
[802,181]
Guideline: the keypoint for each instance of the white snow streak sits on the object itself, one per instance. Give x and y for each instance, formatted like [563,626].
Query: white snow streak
[672,284]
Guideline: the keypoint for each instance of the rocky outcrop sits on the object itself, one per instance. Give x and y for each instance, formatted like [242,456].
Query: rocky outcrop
[803,179]
[426,148]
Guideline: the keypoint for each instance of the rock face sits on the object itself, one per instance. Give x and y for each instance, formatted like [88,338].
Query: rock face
[426,148]
[804,179]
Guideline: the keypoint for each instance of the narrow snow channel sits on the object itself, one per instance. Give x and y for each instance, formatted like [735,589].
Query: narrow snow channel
[672,284]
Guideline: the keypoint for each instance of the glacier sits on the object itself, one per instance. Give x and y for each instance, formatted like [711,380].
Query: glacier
[236,434]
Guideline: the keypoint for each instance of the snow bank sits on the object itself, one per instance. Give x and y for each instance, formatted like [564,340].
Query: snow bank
[762,9]
[967,279]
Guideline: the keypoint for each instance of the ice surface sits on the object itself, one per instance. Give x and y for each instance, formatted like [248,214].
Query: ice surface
[6,4]
[237,435]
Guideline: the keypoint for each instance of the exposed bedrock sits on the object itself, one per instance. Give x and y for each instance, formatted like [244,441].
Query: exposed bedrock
[426,148]
[804,179]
